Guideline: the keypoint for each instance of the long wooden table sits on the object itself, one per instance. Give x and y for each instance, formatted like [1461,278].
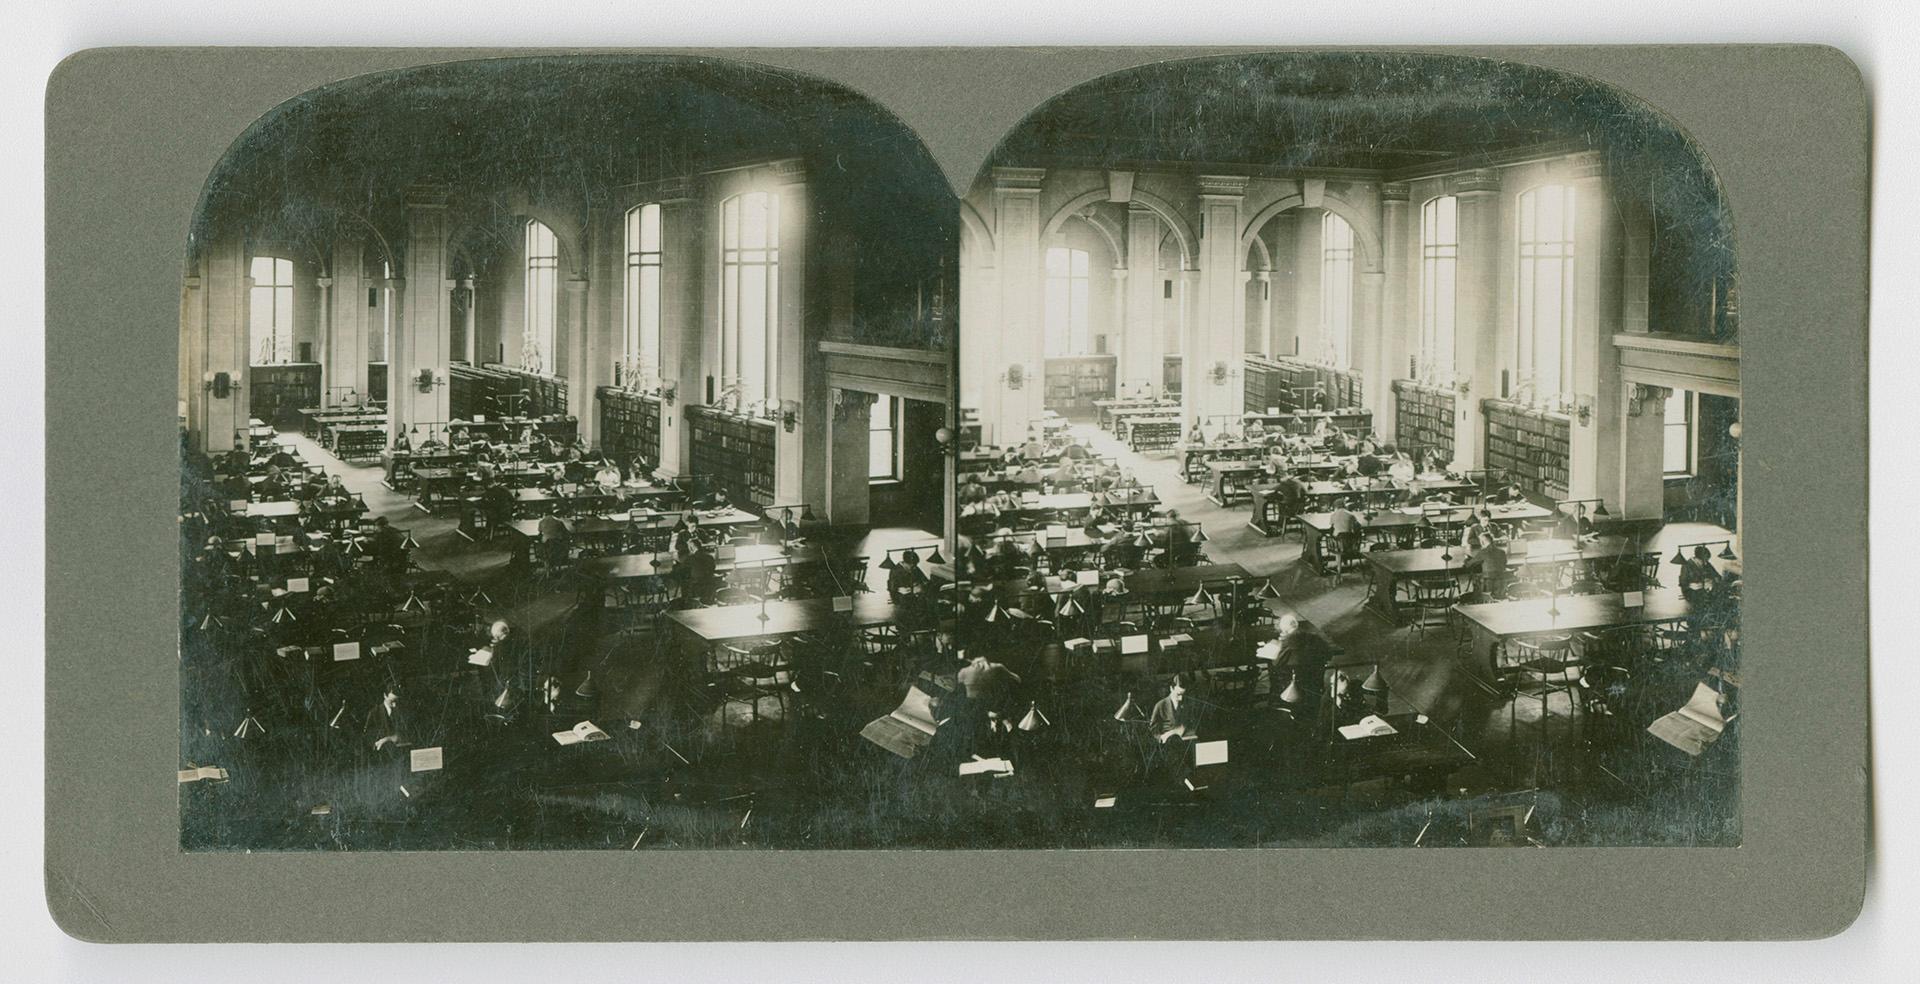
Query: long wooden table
[1390,567]
[1316,526]
[1104,410]
[1230,479]
[621,567]
[727,623]
[1496,622]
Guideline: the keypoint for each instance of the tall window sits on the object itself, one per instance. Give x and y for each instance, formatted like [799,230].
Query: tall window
[270,311]
[643,287]
[1336,287]
[1677,450]
[543,271]
[1544,351]
[1067,302]
[883,439]
[750,293]
[1439,254]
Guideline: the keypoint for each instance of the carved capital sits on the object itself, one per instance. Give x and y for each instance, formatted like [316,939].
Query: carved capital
[1395,193]
[1018,178]
[1222,185]
[850,405]
[1485,181]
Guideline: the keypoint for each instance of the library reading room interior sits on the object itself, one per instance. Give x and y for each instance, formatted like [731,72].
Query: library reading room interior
[1277,450]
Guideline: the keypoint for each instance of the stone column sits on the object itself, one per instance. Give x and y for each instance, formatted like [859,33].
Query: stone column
[193,356]
[1476,336]
[1141,350]
[323,290]
[1642,415]
[1019,372]
[1595,436]
[473,300]
[848,494]
[1399,333]
[346,353]
[227,288]
[1265,299]
[575,348]
[421,321]
[682,262]
[802,384]
[1217,347]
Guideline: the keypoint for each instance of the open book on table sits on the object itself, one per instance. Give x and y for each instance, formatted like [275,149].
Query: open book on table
[584,731]
[1367,727]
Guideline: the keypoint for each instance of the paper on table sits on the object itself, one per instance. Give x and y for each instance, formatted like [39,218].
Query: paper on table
[980,765]
[343,651]
[1133,645]
[481,657]
[425,759]
[1103,802]
[297,585]
[1210,753]
[843,603]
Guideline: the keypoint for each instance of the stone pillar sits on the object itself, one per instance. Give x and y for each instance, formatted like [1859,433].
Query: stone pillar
[323,348]
[1594,438]
[1476,335]
[1263,296]
[575,349]
[802,382]
[979,333]
[1217,347]
[346,351]
[1368,347]
[1141,349]
[848,492]
[468,351]
[682,334]
[1642,414]
[419,352]
[227,289]
[1187,296]
[1019,372]
[1399,333]
[193,356]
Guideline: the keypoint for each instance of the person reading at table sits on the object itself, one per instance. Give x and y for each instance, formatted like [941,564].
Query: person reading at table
[786,528]
[1175,716]
[1574,523]
[1196,437]
[1480,532]
[1033,450]
[1075,451]
[607,476]
[389,724]
[699,568]
[989,685]
[906,578]
[1347,528]
[684,535]
[1182,548]
[1256,432]
[1303,652]
[1699,579]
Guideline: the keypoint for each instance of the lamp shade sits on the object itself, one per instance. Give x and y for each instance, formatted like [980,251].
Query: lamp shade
[1267,590]
[1129,711]
[1291,695]
[888,564]
[1068,608]
[1374,683]
[1034,720]
[250,726]
[935,558]
[1200,596]
[1679,559]
[587,688]
[1726,552]
[1600,509]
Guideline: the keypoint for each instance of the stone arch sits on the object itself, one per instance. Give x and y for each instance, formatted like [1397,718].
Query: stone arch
[977,237]
[1160,206]
[1365,232]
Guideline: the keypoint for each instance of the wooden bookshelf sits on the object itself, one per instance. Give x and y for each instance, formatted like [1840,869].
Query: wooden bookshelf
[1170,367]
[630,426]
[1530,446]
[280,390]
[1288,384]
[494,391]
[733,453]
[1423,419]
[1074,383]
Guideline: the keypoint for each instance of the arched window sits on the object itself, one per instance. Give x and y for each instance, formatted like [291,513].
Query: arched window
[1439,255]
[270,311]
[1066,313]
[543,270]
[1544,349]
[750,294]
[1336,288]
[643,289]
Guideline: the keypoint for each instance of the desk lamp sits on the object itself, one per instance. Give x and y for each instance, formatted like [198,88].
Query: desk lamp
[1034,720]
[1129,711]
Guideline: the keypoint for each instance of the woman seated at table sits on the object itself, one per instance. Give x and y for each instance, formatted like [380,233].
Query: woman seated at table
[1256,432]
[1699,579]
[607,476]
[1122,550]
[685,534]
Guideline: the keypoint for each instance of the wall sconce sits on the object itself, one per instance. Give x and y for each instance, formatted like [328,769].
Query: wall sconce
[220,384]
[1015,376]
[943,439]
[425,381]
[789,414]
[669,391]
[1583,409]
[1220,372]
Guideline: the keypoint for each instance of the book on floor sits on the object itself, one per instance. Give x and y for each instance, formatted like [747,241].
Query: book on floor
[906,729]
[1694,726]
[207,772]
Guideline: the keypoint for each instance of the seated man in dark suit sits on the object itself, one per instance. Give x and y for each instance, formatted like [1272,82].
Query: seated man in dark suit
[1347,528]
[1574,523]
[990,685]
[1175,715]
[1304,652]
[906,578]
[389,724]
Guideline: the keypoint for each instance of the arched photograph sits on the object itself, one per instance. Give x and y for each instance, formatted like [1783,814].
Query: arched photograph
[1349,455]
[549,428]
